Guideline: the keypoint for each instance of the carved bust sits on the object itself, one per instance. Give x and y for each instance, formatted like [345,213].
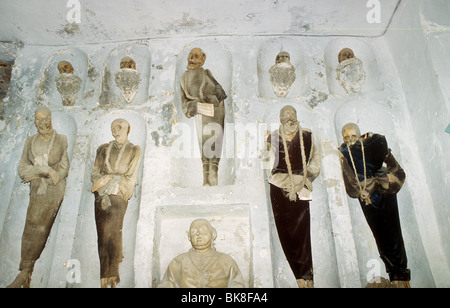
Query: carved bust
[282,74]
[67,83]
[350,72]
[128,79]
[202,266]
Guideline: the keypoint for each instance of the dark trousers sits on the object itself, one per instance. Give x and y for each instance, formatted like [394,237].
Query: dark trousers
[292,220]
[384,221]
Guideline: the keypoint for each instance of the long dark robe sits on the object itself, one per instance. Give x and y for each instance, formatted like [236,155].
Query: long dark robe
[109,220]
[292,218]
[382,214]
[42,208]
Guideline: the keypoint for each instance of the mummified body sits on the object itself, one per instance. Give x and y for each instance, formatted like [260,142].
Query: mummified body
[45,165]
[203,98]
[296,166]
[114,177]
[376,188]
[202,266]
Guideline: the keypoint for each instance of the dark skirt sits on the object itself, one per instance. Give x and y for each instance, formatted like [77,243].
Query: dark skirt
[292,220]
[383,219]
[41,214]
[109,234]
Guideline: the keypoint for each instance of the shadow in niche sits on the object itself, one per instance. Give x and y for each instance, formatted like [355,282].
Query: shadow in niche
[11,238]
[266,59]
[48,92]
[186,162]
[85,245]
[110,93]
[375,117]
[362,50]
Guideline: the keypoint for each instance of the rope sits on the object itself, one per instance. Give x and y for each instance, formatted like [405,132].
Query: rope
[364,195]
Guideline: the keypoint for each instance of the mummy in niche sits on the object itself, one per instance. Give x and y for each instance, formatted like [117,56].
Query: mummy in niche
[67,83]
[128,79]
[350,72]
[203,97]
[282,74]
[114,178]
[45,165]
[202,266]
[296,166]
[376,187]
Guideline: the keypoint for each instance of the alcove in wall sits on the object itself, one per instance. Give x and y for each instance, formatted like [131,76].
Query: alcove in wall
[110,93]
[14,220]
[48,92]
[85,247]
[186,162]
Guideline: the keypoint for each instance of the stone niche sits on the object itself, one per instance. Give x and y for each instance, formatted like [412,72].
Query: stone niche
[48,91]
[85,244]
[373,80]
[6,64]
[232,224]
[16,209]
[186,162]
[110,94]
[371,115]
[266,59]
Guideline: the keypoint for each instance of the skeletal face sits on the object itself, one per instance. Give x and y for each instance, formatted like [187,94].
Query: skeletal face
[351,133]
[345,54]
[288,118]
[65,67]
[283,57]
[201,234]
[127,62]
[120,129]
[43,121]
[196,58]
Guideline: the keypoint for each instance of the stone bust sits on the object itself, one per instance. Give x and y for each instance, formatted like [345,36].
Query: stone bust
[202,266]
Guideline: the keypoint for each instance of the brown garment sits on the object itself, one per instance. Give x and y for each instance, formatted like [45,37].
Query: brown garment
[109,215]
[44,205]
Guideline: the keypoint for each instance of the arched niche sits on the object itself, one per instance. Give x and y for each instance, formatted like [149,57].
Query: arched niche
[362,50]
[14,221]
[85,244]
[48,92]
[373,116]
[187,165]
[266,59]
[110,94]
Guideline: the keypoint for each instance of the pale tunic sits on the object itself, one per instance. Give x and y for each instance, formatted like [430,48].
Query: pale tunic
[211,269]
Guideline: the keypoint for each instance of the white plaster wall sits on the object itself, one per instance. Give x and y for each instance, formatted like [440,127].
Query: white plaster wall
[341,241]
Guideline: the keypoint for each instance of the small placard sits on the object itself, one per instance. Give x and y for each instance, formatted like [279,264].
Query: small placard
[205,109]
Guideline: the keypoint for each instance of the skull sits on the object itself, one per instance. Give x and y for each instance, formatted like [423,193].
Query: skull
[351,133]
[196,59]
[65,67]
[283,57]
[345,54]
[127,62]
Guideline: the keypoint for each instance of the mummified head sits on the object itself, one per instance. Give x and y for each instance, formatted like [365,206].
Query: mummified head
[288,118]
[43,121]
[120,128]
[345,54]
[351,133]
[283,57]
[196,59]
[64,67]
[127,62]
[201,234]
